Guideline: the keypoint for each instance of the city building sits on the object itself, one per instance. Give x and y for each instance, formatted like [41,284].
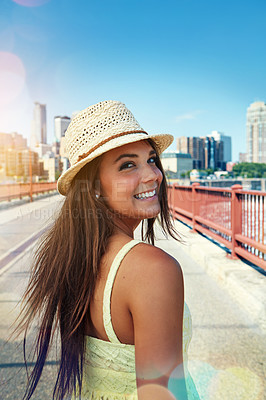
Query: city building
[206,152]
[182,144]
[227,144]
[242,157]
[42,149]
[256,132]
[195,147]
[23,164]
[38,125]
[229,166]
[12,140]
[63,154]
[52,166]
[60,127]
[17,164]
[214,154]
[176,164]
[11,147]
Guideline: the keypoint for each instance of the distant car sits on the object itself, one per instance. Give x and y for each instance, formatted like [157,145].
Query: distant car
[212,176]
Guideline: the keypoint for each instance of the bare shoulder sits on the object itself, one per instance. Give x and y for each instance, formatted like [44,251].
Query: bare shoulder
[152,269]
[152,258]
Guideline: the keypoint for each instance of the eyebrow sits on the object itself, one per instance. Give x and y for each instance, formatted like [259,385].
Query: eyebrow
[127,155]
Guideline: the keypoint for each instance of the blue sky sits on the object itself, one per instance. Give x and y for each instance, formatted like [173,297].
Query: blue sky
[183,67]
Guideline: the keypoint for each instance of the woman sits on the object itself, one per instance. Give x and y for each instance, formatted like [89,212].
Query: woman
[118,302]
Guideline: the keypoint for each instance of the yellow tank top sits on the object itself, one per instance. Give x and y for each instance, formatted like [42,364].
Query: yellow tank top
[109,367]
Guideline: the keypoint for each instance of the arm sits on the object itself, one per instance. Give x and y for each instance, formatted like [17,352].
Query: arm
[156,303]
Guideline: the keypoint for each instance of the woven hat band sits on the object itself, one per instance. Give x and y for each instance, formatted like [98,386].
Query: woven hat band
[84,155]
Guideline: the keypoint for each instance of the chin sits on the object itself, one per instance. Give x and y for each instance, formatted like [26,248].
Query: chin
[150,213]
[139,213]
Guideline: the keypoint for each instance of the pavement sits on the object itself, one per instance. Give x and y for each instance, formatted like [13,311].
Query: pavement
[227,354]
[22,224]
[244,284]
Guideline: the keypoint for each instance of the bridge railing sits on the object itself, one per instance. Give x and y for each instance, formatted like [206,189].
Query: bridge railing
[232,216]
[19,190]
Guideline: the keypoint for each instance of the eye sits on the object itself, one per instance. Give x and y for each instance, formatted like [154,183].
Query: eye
[152,160]
[126,165]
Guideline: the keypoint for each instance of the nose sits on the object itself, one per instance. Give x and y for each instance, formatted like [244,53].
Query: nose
[151,173]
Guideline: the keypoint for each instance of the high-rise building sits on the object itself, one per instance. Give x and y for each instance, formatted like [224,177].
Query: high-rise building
[60,127]
[10,145]
[12,140]
[38,126]
[194,146]
[16,163]
[214,153]
[256,132]
[182,144]
[52,165]
[227,144]
[196,149]
[242,157]
[206,152]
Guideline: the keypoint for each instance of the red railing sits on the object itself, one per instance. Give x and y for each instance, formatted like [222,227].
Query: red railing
[19,190]
[232,216]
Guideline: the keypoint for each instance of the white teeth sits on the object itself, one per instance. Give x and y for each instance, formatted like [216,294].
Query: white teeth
[145,195]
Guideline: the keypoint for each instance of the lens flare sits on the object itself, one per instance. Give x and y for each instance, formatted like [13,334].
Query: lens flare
[31,3]
[231,383]
[241,383]
[155,392]
[12,77]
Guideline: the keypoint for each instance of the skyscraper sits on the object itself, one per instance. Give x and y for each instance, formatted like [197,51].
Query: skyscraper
[194,146]
[38,126]
[60,126]
[206,152]
[227,146]
[214,153]
[256,132]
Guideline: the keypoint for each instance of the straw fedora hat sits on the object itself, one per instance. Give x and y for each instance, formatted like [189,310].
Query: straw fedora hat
[98,129]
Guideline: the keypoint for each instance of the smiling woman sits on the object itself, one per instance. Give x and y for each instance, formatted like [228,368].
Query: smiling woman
[132,182]
[118,302]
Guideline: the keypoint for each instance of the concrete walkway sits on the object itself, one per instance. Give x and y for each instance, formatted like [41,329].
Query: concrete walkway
[22,224]
[228,348]
[227,356]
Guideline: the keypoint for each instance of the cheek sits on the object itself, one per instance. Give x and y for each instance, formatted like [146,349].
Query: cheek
[123,189]
[159,176]
[119,190]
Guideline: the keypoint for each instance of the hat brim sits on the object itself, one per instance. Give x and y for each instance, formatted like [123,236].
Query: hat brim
[161,141]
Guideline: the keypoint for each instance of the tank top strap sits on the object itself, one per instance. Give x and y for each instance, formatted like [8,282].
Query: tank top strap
[108,290]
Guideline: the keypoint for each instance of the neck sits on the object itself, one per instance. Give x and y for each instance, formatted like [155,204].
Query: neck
[126,225]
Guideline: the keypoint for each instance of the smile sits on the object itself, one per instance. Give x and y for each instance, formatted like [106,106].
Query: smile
[145,195]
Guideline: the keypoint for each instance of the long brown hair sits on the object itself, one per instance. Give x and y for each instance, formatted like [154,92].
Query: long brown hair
[64,273]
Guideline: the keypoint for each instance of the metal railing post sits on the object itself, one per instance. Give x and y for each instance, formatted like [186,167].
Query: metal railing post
[170,195]
[30,174]
[236,218]
[194,205]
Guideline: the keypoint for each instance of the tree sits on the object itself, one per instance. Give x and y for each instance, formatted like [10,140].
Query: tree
[249,170]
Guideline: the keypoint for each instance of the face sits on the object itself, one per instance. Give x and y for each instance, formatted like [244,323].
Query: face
[130,180]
